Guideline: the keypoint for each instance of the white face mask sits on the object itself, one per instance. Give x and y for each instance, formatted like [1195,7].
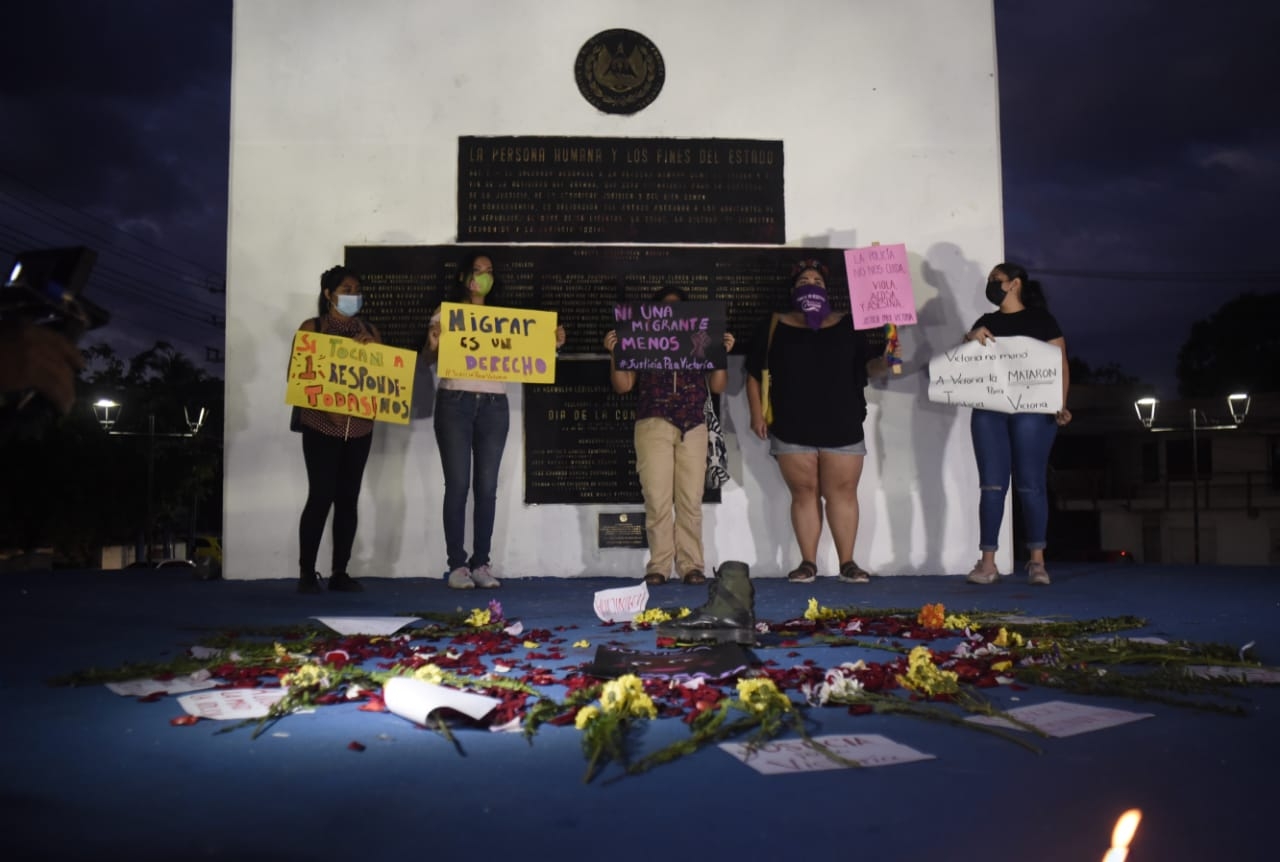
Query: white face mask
[349,304]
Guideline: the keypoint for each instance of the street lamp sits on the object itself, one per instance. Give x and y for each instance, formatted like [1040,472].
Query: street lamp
[1237,404]
[108,412]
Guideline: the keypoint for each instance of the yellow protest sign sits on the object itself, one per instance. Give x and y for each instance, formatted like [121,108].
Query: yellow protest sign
[341,375]
[482,342]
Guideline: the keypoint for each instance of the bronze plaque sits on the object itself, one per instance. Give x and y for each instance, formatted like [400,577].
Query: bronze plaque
[579,440]
[621,530]
[404,284]
[583,189]
[619,71]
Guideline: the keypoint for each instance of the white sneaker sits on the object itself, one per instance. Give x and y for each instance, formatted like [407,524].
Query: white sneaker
[483,577]
[460,579]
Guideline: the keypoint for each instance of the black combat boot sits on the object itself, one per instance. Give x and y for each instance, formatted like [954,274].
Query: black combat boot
[727,617]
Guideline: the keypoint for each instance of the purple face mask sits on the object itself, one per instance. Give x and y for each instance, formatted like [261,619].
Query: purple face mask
[812,300]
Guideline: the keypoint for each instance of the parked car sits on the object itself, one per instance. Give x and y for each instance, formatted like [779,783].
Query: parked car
[206,553]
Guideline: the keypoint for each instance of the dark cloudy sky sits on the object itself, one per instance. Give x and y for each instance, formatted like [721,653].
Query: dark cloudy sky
[1141,152]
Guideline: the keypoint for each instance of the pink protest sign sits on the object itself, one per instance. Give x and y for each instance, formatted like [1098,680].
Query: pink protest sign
[879,286]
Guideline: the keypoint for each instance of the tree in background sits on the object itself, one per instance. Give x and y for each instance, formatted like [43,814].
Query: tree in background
[1235,349]
[76,488]
[1110,374]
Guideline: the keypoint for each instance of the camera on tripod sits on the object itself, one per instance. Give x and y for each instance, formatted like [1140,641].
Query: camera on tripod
[44,289]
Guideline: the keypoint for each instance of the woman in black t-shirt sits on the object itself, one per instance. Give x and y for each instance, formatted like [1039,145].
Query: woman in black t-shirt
[818,366]
[1015,443]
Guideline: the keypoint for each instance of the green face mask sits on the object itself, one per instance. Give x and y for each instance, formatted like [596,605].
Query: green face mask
[483,282]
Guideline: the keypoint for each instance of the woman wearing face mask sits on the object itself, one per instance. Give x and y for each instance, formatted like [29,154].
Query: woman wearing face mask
[334,446]
[818,365]
[472,418]
[671,456]
[1015,443]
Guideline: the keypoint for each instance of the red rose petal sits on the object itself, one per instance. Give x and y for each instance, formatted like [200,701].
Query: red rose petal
[355,746]
[184,720]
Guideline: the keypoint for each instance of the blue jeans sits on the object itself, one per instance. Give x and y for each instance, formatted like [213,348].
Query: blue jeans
[470,425]
[1017,444]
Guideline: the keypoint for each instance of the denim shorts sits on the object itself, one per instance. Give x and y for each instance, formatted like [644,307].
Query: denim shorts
[781,447]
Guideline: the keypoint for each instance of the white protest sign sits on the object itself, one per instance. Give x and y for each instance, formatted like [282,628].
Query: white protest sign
[1011,374]
[373,626]
[197,681]
[621,603]
[416,699]
[232,703]
[795,755]
[1062,718]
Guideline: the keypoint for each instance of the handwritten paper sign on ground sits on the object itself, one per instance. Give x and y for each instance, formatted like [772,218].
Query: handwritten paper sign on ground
[670,336]
[1013,374]
[782,756]
[483,342]
[880,286]
[341,375]
[621,604]
[1062,718]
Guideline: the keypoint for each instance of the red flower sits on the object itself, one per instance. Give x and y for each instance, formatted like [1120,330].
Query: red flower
[375,703]
[184,720]
[355,746]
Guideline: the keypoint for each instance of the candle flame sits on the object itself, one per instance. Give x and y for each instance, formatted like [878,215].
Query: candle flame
[1122,834]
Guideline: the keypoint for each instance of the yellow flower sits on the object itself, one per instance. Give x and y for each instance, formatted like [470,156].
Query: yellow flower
[932,616]
[684,612]
[429,673]
[281,652]
[1007,638]
[625,696]
[479,617]
[531,644]
[759,695]
[585,716]
[817,612]
[926,678]
[956,622]
[581,644]
[1001,665]
[652,615]
[304,677]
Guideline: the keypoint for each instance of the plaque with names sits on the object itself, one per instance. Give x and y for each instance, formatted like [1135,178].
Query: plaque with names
[621,530]
[640,190]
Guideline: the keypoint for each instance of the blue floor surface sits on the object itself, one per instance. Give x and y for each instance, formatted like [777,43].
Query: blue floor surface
[89,774]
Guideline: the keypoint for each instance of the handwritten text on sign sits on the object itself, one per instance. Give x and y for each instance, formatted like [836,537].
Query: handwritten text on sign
[670,336]
[483,342]
[1012,374]
[880,286]
[341,375]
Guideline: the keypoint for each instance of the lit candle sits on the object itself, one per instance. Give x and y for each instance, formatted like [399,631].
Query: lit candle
[1123,833]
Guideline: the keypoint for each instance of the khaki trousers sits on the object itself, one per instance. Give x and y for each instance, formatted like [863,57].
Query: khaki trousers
[673,472]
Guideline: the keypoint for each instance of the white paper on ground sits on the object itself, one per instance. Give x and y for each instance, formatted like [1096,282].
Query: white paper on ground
[1250,674]
[1061,718]
[621,604]
[197,681]
[232,703]
[415,700]
[1142,640]
[367,625]
[793,755]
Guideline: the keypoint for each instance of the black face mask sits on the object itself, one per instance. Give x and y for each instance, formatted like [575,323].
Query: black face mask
[995,292]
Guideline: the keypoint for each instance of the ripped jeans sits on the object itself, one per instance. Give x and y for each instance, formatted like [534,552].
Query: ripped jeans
[1017,444]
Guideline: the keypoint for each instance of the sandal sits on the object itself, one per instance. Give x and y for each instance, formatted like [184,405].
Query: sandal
[655,579]
[805,573]
[852,573]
